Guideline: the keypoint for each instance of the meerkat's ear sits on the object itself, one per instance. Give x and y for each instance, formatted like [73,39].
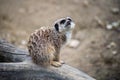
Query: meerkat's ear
[56,27]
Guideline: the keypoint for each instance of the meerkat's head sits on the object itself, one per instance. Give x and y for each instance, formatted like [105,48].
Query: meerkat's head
[64,24]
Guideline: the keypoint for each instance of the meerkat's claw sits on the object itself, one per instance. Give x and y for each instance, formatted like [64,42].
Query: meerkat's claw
[62,62]
[56,64]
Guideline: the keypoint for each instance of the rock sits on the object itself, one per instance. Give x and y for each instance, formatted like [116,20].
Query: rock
[109,27]
[112,44]
[20,67]
[73,43]
[113,25]
[115,10]
[114,52]
[116,24]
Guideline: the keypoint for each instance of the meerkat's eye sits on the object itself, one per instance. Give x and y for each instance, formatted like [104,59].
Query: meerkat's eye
[69,19]
[57,27]
[62,22]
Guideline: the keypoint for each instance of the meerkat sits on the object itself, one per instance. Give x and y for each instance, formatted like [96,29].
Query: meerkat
[44,44]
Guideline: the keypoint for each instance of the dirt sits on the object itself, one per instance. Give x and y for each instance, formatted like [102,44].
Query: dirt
[18,18]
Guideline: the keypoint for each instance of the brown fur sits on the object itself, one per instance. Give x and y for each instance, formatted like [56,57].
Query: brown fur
[44,46]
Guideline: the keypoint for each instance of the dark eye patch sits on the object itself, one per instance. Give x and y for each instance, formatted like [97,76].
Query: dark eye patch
[69,19]
[62,22]
[57,27]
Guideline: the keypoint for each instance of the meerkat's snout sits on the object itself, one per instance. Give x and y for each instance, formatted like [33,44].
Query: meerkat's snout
[69,23]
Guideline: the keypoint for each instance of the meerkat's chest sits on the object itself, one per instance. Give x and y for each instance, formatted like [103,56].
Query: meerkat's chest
[65,39]
[68,36]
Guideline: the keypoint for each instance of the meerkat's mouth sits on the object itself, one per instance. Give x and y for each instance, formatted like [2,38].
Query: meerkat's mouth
[70,24]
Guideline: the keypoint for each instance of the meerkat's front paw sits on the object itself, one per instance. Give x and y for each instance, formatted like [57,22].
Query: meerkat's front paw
[56,64]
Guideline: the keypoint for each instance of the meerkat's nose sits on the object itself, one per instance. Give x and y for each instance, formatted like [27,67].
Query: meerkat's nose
[68,23]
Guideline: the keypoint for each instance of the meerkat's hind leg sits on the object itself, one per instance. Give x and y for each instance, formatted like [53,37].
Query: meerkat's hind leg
[56,64]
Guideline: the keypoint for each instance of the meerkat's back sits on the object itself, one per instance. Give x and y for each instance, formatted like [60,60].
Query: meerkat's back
[41,46]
